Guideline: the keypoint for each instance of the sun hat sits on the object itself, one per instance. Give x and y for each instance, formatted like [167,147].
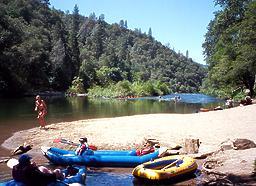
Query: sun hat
[83,139]
[24,159]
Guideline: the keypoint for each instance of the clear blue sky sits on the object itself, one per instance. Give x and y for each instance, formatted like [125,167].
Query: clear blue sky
[181,23]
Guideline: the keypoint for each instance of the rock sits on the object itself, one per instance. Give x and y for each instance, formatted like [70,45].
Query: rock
[191,146]
[241,144]
[203,155]
[226,145]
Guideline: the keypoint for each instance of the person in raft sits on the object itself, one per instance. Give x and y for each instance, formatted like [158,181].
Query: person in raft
[41,108]
[30,174]
[148,148]
[83,146]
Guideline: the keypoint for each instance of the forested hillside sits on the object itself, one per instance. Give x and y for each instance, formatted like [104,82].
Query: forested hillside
[46,49]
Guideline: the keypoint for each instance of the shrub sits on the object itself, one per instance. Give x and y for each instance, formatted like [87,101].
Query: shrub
[77,86]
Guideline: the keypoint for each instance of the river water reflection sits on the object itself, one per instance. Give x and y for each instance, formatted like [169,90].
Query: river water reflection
[19,114]
[75,108]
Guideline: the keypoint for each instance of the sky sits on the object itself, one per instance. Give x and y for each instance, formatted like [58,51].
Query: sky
[180,23]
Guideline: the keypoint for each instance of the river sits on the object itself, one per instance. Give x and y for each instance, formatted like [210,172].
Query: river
[18,114]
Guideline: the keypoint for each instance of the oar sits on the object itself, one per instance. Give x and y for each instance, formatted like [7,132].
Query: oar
[4,160]
[173,163]
[61,140]
[65,141]
[7,158]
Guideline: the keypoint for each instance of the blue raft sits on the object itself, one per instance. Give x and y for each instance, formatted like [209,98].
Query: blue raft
[99,158]
[78,178]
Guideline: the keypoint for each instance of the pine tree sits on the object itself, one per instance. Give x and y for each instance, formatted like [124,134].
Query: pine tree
[121,23]
[74,41]
[150,33]
[125,24]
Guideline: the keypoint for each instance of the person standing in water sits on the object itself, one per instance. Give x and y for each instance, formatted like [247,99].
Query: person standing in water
[41,108]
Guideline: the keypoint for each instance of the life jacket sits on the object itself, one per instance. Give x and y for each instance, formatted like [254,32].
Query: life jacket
[81,149]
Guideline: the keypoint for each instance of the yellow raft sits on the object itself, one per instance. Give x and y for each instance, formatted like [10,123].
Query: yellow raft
[165,168]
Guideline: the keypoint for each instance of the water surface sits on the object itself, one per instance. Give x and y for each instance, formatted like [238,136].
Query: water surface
[19,114]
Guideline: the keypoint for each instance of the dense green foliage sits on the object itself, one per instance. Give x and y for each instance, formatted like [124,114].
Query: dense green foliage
[45,49]
[76,87]
[230,48]
[125,89]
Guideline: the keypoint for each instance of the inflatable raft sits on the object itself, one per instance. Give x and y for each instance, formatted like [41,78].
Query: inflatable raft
[79,178]
[165,168]
[99,158]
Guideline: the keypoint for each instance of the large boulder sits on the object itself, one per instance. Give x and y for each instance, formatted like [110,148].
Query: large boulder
[241,144]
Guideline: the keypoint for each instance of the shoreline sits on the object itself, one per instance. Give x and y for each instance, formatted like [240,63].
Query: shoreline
[124,133]
[211,128]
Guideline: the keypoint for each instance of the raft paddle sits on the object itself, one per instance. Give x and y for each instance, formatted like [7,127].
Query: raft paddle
[4,160]
[171,164]
[65,141]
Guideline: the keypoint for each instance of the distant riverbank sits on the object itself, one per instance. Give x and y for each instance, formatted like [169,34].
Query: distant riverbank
[211,128]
